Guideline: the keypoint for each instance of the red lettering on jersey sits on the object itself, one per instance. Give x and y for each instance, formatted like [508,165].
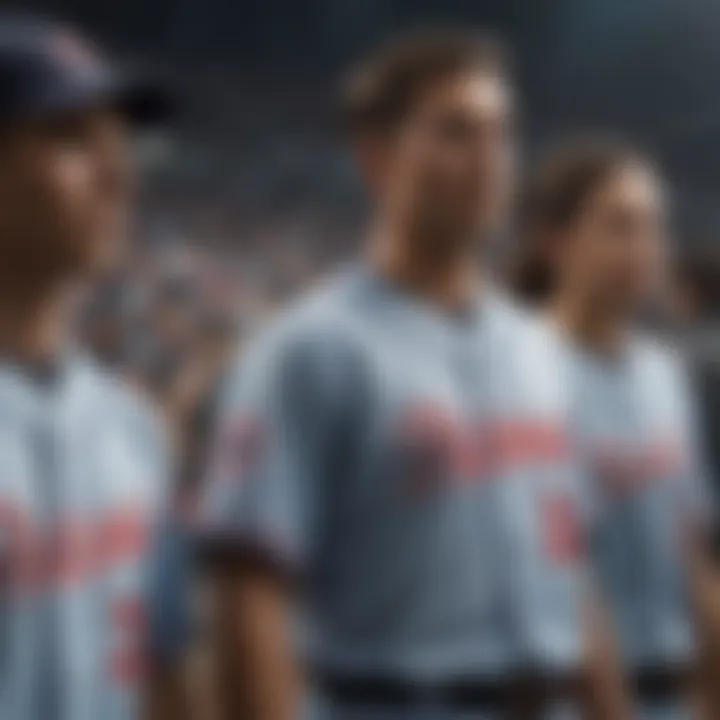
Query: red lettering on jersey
[519,442]
[36,559]
[562,527]
[624,471]
[439,447]
[428,444]
[128,662]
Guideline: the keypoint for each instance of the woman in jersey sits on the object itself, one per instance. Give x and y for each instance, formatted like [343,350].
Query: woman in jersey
[593,226]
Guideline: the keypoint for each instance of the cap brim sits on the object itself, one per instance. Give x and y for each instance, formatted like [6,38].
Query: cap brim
[143,100]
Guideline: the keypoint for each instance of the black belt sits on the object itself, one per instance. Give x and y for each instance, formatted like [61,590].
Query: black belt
[461,694]
[657,684]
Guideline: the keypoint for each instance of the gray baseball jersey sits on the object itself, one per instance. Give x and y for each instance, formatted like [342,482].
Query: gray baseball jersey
[645,489]
[82,490]
[414,466]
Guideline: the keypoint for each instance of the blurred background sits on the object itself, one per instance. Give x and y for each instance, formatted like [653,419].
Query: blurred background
[252,197]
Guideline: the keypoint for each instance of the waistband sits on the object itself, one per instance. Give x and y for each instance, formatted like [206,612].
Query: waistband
[521,692]
[661,683]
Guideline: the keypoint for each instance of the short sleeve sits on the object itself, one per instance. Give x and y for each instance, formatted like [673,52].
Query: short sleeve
[268,458]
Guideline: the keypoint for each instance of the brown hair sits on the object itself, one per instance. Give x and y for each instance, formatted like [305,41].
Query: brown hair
[554,196]
[381,90]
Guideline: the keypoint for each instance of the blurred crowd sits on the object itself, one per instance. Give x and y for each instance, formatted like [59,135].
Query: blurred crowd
[171,316]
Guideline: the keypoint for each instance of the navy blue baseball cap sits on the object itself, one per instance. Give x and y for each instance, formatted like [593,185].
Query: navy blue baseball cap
[47,68]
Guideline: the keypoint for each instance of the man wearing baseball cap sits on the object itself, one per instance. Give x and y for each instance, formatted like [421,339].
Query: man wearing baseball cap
[84,471]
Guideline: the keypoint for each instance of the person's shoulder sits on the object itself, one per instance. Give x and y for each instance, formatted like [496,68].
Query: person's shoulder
[514,316]
[532,356]
[118,402]
[130,433]
[524,325]
[658,356]
[322,322]
[662,367]
[316,339]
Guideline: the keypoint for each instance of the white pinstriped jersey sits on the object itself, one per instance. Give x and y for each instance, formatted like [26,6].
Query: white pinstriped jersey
[83,484]
[645,488]
[414,465]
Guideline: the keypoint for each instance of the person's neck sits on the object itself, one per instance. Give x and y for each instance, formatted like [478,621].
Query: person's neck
[588,325]
[449,281]
[34,327]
